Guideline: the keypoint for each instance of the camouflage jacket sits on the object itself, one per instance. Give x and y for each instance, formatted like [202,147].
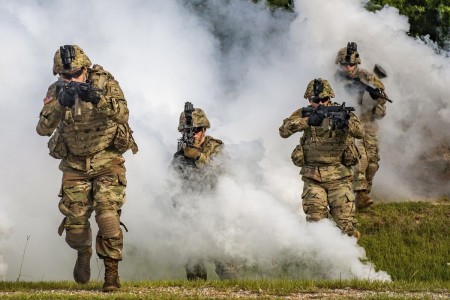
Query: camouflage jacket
[200,174]
[323,148]
[110,112]
[370,109]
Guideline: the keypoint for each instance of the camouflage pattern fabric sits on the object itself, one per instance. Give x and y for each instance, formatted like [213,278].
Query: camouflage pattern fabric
[335,197]
[370,112]
[95,182]
[200,176]
[101,191]
[341,57]
[326,183]
[80,60]
[199,119]
[326,92]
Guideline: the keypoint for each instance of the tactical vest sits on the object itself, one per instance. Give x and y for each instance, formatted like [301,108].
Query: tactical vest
[90,132]
[323,146]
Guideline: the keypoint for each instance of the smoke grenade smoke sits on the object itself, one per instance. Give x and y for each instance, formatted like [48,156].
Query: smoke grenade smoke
[248,68]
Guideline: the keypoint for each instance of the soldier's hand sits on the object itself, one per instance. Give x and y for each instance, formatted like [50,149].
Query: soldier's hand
[341,124]
[376,93]
[315,118]
[191,152]
[89,94]
[66,97]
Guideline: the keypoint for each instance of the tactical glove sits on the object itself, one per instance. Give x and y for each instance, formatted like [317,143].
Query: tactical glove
[191,152]
[87,93]
[66,97]
[375,93]
[341,124]
[315,118]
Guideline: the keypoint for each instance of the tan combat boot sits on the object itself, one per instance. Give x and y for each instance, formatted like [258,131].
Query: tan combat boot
[362,200]
[357,235]
[82,270]
[112,282]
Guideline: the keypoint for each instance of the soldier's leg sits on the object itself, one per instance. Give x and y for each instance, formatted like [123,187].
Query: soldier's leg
[360,183]
[76,206]
[109,196]
[373,157]
[342,205]
[195,269]
[359,178]
[315,203]
[226,270]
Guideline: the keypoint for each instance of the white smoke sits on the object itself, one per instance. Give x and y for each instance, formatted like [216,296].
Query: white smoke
[247,68]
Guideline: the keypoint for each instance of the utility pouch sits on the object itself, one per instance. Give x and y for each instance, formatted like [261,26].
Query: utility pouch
[124,139]
[350,156]
[56,146]
[297,156]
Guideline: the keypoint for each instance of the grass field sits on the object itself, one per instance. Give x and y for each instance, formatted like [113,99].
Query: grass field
[409,240]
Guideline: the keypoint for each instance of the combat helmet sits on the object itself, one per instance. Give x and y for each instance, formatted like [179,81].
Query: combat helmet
[318,89]
[199,119]
[69,59]
[348,55]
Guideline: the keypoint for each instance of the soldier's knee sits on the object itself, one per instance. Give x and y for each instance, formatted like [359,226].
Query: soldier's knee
[372,169]
[108,222]
[347,226]
[315,216]
[78,236]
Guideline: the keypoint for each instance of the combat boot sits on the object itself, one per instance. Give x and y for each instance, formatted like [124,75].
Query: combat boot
[357,235]
[362,200]
[196,272]
[112,282]
[82,269]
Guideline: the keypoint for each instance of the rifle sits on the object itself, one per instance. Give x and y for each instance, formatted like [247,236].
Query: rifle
[335,113]
[374,92]
[80,88]
[188,127]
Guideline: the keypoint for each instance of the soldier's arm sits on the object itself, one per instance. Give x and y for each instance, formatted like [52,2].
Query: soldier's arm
[211,149]
[379,109]
[50,114]
[113,103]
[355,128]
[293,124]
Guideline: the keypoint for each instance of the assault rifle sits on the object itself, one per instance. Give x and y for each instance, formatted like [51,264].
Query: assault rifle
[374,92]
[335,113]
[188,127]
[80,89]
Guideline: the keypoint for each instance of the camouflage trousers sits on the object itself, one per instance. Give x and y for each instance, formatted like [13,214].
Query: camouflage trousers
[195,269]
[367,166]
[102,191]
[334,197]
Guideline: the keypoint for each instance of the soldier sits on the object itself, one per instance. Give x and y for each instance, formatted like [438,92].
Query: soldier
[196,164]
[86,114]
[358,81]
[325,154]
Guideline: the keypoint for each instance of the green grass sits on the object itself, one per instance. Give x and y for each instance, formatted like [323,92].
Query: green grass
[265,289]
[408,240]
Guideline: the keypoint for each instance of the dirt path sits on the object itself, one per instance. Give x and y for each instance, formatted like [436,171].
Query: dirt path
[212,293]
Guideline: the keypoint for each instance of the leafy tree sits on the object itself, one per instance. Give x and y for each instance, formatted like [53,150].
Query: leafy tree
[426,17]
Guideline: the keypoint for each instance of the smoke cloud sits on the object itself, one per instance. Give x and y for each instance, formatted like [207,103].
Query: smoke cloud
[247,67]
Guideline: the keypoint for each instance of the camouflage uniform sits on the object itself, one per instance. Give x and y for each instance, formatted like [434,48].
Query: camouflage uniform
[200,176]
[325,156]
[371,110]
[90,147]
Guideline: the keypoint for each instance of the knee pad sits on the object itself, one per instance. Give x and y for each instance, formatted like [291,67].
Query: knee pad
[79,238]
[371,170]
[108,223]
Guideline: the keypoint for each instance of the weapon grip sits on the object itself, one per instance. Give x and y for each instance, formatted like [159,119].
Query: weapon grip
[77,105]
